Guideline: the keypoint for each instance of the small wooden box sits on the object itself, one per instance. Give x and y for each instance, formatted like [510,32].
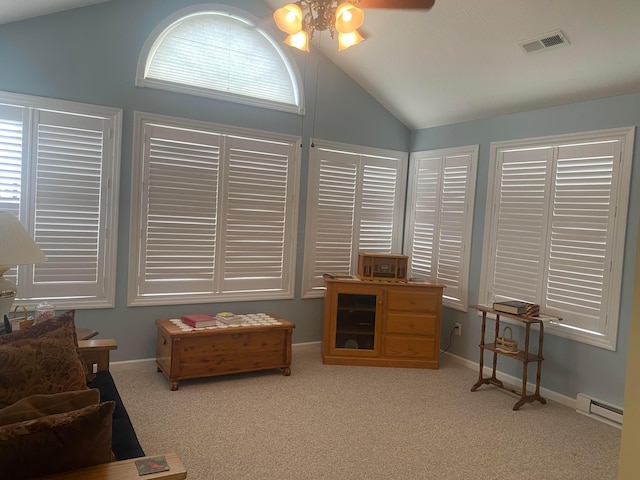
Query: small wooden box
[382,267]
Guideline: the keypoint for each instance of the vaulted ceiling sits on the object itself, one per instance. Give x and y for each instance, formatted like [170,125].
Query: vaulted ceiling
[462,60]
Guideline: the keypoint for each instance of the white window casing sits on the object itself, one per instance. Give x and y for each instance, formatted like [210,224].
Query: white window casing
[59,174]
[355,204]
[555,229]
[440,204]
[214,213]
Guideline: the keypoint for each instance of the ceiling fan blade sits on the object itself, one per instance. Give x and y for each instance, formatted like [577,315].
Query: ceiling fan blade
[397,4]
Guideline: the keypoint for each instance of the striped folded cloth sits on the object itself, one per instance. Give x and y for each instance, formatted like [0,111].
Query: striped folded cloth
[533,310]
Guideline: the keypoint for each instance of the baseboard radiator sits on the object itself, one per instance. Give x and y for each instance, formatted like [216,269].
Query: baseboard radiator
[599,410]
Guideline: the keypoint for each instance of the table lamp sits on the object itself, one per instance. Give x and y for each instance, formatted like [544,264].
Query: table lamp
[17,247]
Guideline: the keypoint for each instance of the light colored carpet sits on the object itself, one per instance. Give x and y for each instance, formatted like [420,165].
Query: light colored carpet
[344,422]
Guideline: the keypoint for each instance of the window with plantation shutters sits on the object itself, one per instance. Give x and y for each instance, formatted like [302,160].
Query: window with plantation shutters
[59,168]
[355,204]
[555,228]
[214,215]
[220,52]
[439,216]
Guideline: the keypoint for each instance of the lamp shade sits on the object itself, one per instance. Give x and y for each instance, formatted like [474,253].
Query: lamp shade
[289,18]
[348,18]
[17,247]
[346,40]
[299,40]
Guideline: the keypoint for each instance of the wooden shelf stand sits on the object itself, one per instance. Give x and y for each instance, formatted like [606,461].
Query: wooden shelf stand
[525,356]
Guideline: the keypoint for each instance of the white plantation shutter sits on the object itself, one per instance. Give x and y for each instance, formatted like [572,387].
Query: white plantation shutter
[335,212]
[378,202]
[217,213]
[67,219]
[181,202]
[59,168]
[440,215]
[581,234]
[355,205]
[11,137]
[255,230]
[556,218]
[521,223]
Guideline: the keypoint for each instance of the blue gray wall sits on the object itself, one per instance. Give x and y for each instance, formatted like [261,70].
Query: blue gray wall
[90,55]
[569,367]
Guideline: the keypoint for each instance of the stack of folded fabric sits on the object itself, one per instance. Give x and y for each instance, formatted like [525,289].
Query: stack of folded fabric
[533,310]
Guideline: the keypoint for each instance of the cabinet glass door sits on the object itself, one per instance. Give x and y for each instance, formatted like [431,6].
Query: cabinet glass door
[356,321]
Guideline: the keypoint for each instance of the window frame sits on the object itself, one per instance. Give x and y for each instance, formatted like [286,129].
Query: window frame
[608,338]
[163,29]
[103,296]
[311,283]
[467,156]
[139,179]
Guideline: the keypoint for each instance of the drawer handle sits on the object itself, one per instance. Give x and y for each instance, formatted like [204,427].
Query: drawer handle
[236,335]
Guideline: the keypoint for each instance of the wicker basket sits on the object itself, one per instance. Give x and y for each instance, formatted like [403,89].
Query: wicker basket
[25,321]
[507,344]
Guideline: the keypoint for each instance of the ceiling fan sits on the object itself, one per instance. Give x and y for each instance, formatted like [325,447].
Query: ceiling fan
[305,17]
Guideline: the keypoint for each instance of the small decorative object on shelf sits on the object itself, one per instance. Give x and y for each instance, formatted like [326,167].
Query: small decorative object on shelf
[382,267]
[506,344]
[45,311]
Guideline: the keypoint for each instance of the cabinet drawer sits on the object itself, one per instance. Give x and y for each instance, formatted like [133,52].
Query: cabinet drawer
[409,347]
[411,323]
[412,300]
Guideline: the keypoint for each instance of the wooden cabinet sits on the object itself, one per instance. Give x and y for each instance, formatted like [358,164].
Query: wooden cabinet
[382,324]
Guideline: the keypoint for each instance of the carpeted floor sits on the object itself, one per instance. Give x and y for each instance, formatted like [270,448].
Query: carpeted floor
[344,422]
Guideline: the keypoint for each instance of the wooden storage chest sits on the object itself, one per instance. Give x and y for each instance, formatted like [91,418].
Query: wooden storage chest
[181,355]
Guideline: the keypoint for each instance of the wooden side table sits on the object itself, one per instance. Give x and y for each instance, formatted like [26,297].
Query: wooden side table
[524,356]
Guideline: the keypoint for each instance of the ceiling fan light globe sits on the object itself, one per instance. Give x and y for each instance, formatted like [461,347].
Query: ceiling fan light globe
[298,40]
[348,18]
[346,40]
[289,18]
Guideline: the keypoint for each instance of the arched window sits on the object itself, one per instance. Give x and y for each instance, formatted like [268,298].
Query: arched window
[220,52]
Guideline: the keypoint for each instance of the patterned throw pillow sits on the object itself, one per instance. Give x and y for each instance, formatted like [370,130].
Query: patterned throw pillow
[56,443]
[39,366]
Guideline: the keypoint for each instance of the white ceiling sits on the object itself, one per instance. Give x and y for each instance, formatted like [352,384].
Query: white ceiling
[461,60]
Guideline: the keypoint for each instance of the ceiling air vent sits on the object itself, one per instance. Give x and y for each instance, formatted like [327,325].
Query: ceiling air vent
[544,42]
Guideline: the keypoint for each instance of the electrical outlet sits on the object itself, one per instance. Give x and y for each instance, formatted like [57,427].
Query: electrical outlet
[457,329]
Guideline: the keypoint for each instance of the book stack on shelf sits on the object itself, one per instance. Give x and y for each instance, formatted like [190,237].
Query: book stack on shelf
[199,320]
[518,308]
[229,318]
